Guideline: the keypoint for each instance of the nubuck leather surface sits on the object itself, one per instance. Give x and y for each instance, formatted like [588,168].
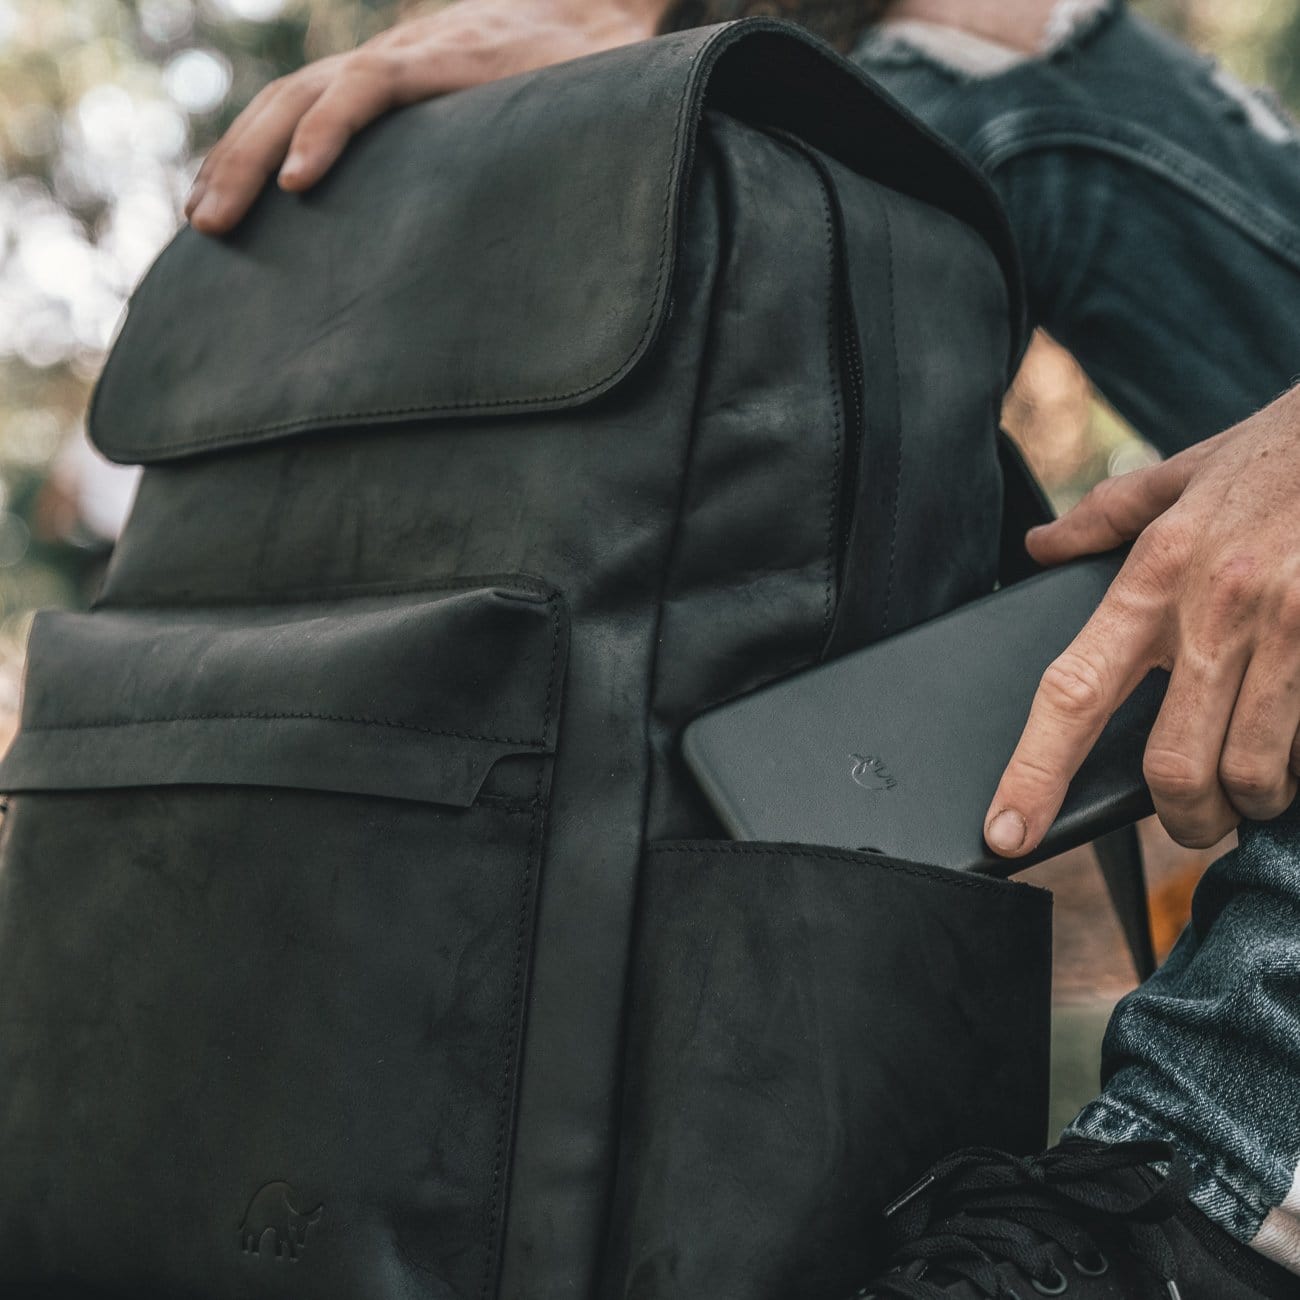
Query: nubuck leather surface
[362,936]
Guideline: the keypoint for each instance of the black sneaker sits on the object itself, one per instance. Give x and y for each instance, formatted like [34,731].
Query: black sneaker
[1084,1220]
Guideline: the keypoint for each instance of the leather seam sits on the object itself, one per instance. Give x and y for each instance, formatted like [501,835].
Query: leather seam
[552,604]
[955,881]
[542,743]
[832,353]
[509,586]
[504,803]
[111,723]
[492,1249]
[898,415]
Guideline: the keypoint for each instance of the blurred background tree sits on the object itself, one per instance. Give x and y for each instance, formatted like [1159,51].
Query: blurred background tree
[106,107]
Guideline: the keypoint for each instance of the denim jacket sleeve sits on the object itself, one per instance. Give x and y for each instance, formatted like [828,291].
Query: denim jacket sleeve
[1156,204]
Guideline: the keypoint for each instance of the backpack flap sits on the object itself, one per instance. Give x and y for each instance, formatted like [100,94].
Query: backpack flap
[502,250]
[414,695]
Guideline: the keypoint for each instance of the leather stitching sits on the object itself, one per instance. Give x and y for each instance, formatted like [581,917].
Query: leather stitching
[511,586]
[520,807]
[954,880]
[837,469]
[543,743]
[833,353]
[898,415]
[550,672]
[109,723]
[324,421]
[511,1053]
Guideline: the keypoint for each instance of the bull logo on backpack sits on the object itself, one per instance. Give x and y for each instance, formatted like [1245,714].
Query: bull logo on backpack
[274,1209]
[871,773]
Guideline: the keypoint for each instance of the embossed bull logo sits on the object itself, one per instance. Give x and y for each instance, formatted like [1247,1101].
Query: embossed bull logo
[871,773]
[274,1209]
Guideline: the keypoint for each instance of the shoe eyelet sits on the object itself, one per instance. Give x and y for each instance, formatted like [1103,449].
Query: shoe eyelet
[1094,1267]
[1058,1285]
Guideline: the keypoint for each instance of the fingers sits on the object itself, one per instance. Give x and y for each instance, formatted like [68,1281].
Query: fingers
[249,153]
[1076,697]
[1114,512]
[300,125]
[367,90]
[303,122]
[1257,768]
[1181,765]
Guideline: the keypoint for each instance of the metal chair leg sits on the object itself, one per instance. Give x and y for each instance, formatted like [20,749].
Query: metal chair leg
[1120,856]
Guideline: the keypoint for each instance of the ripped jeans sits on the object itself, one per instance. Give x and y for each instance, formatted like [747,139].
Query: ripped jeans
[1156,204]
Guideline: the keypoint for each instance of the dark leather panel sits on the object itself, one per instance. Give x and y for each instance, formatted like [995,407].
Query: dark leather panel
[209,993]
[412,696]
[790,1008]
[405,285]
[751,586]
[926,520]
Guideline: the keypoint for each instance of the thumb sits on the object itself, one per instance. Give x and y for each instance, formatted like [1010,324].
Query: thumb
[1112,513]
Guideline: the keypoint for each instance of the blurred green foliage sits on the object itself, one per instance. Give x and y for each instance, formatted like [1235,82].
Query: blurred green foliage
[105,108]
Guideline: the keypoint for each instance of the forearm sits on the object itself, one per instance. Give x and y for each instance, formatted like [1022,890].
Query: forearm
[650,14]
[837,21]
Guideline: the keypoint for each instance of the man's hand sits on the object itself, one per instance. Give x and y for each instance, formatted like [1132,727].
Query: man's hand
[1211,592]
[300,124]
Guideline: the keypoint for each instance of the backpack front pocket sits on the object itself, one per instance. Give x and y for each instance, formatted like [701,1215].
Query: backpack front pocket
[266,897]
[808,1029]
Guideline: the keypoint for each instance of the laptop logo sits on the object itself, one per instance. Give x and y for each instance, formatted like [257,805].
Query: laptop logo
[871,773]
[274,1210]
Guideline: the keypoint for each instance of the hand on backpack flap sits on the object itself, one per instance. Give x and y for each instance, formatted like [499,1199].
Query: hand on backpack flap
[1211,592]
[301,123]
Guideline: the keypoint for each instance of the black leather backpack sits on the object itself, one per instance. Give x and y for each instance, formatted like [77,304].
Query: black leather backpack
[361,934]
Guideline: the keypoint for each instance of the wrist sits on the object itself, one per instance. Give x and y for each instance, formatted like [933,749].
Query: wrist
[633,18]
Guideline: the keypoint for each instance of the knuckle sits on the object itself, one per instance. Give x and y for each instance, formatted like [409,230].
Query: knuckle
[1073,684]
[1288,614]
[1137,602]
[1255,788]
[1163,549]
[1175,777]
[237,162]
[372,65]
[272,90]
[1247,778]
[1236,582]
[1030,776]
[1104,498]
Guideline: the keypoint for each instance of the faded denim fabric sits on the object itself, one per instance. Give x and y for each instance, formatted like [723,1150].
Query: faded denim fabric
[1156,203]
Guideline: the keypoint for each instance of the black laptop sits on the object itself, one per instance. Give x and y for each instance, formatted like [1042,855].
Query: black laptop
[898,748]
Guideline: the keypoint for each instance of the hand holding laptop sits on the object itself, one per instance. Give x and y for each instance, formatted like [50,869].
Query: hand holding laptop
[1210,593]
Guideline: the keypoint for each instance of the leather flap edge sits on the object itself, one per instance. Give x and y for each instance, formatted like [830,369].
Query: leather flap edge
[414,697]
[500,250]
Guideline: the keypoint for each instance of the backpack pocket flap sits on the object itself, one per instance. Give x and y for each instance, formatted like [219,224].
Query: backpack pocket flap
[413,696]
